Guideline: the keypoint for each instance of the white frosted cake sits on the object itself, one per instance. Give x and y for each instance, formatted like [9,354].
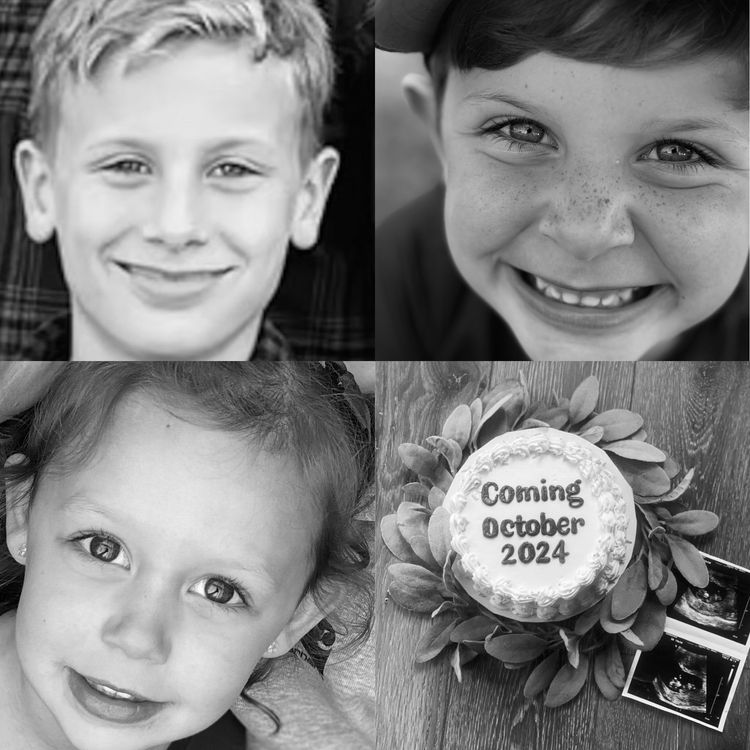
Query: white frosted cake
[543,523]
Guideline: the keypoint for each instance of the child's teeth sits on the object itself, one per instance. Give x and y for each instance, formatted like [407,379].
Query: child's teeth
[588,299]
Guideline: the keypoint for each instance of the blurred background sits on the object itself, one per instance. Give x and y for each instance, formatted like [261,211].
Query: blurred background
[405,163]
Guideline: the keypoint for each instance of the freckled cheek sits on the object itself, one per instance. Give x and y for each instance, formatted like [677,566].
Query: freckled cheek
[701,237]
[488,204]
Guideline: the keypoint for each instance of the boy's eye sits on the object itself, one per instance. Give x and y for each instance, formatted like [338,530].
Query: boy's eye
[232,169]
[127,166]
[103,548]
[518,134]
[219,591]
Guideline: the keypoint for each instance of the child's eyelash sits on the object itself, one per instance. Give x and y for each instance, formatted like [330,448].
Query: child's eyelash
[494,130]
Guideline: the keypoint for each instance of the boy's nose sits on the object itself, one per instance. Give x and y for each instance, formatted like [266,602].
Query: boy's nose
[588,222]
[139,628]
[176,220]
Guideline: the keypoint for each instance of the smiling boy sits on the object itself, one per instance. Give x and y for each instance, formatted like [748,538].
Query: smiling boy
[595,158]
[176,154]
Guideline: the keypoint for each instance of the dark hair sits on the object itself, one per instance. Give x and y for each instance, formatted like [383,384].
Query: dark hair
[311,412]
[495,34]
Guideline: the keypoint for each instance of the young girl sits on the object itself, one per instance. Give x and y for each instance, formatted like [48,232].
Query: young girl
[171,527]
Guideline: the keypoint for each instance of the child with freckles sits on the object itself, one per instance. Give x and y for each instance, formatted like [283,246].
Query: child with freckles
[594,202]
[176,155]
[173,529]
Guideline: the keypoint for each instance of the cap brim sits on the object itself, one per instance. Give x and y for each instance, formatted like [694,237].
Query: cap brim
[407,25]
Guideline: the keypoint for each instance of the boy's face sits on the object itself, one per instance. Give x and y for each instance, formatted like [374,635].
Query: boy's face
[174,189]
[137,567]
[600,211]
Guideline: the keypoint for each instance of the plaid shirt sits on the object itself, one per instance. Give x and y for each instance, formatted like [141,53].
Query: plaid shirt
[325,302]
[51,341]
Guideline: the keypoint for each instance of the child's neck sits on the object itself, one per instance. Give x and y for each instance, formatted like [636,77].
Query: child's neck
[92,344]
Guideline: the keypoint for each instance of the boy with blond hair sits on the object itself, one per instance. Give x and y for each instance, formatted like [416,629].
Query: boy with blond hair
[176,153]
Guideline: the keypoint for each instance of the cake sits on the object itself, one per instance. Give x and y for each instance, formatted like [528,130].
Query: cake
[543,523]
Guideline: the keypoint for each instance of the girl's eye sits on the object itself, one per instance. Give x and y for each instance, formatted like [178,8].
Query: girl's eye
[232,169]
[674,152]
[518,134]
[104,548]
[219,591]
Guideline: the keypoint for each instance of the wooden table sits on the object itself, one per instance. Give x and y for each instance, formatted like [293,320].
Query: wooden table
[697,412]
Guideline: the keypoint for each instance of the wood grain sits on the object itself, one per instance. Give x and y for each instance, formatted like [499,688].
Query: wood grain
[699,413]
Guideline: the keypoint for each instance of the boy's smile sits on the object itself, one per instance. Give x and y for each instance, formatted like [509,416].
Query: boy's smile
[600,211]
[175,188]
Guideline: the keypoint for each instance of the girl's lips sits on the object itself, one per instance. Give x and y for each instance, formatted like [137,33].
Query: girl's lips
[103,701]
[607,298]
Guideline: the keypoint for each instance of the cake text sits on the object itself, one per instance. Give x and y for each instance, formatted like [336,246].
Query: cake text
[506,494]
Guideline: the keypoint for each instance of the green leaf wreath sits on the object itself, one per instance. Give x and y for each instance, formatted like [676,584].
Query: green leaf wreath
[561,652]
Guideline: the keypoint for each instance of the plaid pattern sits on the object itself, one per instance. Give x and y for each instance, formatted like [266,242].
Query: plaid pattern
[325,303]
[51,341]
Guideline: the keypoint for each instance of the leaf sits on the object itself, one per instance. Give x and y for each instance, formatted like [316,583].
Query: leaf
[458,425]
[415,588]
[555,417]
[413,520]
[588,619]
[607,688]
[679,489]
[474,629]
[541,675]
[635,450]
[396,543]
[476,415]
[439,535]
[609,624]
[592,434]
[531,422]
[435,498]
[567,683]
[688,561]
[491,426]
[629,591]
[615,668]
[516,648]
[671,467]
[668,592]
[649,625]
[512,395]
[584,398]
[460,657]
[414,492]
[657,571]
[571,646]
[647,480]
[449,449]
[434,641]
[694,522]
[418,459]
[617,423]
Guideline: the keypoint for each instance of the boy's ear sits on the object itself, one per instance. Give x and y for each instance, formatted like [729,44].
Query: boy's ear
[17,512]
[313,196]
[307,615]
[422,99]
[35,178]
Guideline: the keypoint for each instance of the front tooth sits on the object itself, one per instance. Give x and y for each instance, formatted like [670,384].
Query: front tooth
[571,298]
[589,301]
[626,296]
[540,284]
[610,300]
[553,292]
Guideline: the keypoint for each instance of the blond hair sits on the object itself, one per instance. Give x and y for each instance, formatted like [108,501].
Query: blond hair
[76,36]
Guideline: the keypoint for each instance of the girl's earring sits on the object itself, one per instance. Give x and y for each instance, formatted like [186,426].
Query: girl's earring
[271,647]
[22,551]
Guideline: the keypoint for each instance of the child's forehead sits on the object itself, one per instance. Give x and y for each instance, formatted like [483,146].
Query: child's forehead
[550,82]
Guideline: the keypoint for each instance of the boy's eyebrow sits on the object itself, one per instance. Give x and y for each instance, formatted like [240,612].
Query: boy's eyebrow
[211,146]
[657,123]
